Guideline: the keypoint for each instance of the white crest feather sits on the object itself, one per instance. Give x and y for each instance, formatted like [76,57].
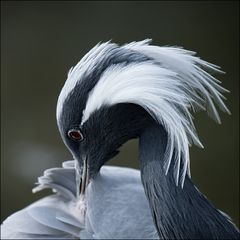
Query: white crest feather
[85,65]
[168,87]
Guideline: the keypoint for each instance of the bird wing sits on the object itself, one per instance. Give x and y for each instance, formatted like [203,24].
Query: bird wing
[53,217]
[39,221]
[117,208]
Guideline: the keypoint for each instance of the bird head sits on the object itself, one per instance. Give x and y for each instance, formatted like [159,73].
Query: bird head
[115,92]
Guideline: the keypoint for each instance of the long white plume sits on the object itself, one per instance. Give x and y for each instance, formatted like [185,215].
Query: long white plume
[168,87]
[84,66]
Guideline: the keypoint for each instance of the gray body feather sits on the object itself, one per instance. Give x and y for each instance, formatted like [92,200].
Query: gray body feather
[117,208]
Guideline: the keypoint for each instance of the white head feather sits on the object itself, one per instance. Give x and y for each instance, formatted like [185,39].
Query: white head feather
[84,66]
[168,87]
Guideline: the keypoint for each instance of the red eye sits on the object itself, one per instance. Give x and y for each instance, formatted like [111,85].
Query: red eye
[75,135]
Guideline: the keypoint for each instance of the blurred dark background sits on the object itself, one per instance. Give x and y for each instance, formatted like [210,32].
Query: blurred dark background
[40,41]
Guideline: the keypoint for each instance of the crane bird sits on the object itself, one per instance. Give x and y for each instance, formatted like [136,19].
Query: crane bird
[116,93]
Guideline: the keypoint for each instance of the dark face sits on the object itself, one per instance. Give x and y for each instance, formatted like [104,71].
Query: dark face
[103,133]
[107,128]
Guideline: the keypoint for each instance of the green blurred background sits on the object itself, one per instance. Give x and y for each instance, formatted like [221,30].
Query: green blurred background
[41,40]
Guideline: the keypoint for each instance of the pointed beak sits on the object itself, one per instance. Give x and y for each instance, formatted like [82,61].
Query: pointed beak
[84,181]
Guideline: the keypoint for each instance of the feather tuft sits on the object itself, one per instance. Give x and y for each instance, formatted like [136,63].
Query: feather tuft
[169,85]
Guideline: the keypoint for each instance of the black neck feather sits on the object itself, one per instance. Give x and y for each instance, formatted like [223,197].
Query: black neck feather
[178,213]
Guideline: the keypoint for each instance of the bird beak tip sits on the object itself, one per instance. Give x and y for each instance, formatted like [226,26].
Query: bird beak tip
[84,180]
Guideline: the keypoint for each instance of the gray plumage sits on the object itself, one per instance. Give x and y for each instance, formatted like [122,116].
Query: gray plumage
[116,203]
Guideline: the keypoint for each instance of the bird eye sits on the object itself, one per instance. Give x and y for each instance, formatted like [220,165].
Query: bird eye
[75,134]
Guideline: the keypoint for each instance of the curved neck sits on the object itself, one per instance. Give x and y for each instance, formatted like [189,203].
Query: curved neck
[178,213]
